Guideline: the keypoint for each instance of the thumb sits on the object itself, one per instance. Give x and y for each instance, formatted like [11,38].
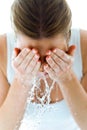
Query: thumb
[71,50]
[16,51]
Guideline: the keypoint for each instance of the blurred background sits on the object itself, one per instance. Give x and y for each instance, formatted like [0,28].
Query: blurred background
[78,8]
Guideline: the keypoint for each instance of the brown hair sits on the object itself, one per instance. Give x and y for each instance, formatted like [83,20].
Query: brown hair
[41,18]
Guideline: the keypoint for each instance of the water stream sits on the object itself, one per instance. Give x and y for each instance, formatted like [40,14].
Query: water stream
[28,122]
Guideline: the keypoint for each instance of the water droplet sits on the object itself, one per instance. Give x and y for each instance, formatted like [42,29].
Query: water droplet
[43,99]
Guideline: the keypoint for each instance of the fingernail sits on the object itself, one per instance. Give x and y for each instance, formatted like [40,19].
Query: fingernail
[34,51]
[48,52]
[37,56]
[55,50]
[48,57]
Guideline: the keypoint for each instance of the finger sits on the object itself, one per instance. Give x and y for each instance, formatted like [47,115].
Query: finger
[71,50]
[19,59]
[36,68]
[17,51]
[14,54]
[60,63]
[26,61]
[50,71]
[61,54]
[29,68]
[52,64]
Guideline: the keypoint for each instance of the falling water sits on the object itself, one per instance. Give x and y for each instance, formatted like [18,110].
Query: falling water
[45,99]
[37,109]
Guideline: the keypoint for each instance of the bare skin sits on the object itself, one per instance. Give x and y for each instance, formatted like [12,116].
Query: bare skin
[10,97]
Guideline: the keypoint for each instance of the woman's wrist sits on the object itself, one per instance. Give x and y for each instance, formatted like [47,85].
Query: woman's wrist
[68,78]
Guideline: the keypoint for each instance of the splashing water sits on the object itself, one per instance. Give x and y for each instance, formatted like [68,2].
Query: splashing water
[37,109]
[45,98]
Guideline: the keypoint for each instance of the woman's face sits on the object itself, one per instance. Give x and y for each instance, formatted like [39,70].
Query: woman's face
[42,45]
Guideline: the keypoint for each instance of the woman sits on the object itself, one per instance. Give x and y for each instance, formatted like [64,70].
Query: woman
[43,30]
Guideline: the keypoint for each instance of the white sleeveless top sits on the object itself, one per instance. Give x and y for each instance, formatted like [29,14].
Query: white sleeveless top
[53,116]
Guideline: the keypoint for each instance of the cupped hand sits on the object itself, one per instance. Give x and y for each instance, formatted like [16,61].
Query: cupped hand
[59,64]
[25,64]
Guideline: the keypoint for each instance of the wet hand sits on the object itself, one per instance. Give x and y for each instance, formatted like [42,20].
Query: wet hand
[25,64]
[59,64]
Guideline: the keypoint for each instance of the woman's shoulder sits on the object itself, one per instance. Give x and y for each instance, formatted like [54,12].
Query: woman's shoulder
[3,53]
[75,36]
[75,33]
[79,38]
[83,39]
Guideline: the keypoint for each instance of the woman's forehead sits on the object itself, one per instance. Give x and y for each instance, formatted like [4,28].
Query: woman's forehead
[23,39]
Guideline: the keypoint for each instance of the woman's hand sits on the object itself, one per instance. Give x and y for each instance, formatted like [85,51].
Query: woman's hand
[25,65]
[59,64]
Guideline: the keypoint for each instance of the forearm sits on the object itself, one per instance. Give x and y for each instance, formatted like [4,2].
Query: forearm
[26,66]
[12,110]
[76,98]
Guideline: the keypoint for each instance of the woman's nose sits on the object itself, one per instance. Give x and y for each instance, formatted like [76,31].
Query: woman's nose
[43,59]
[42,52]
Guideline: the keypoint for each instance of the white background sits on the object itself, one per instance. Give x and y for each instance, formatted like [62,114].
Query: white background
[78,8]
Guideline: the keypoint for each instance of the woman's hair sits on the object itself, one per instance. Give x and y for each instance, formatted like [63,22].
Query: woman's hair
[41,18]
